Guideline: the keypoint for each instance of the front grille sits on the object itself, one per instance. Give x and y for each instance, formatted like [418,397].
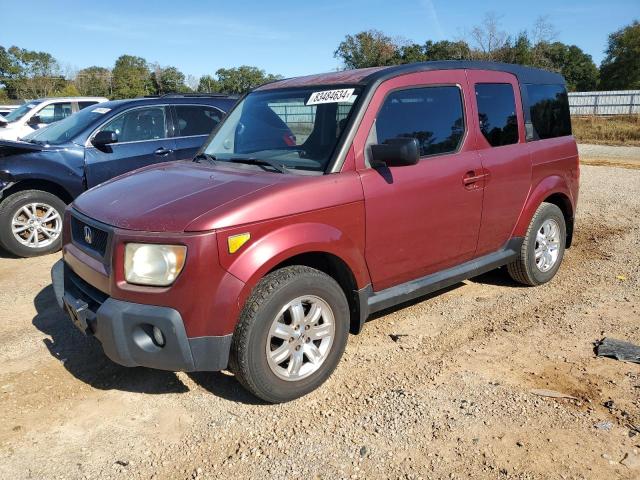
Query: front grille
[89,237]
[81,290]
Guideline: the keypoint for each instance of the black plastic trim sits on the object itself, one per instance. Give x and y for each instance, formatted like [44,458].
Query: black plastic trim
[125,331]
[105,258]
[371,302]
[524,74]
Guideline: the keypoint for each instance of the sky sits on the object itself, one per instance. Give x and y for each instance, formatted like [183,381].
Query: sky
[282,37]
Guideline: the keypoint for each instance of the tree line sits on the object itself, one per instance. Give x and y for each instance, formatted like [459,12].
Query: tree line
[32,74]
[620,69]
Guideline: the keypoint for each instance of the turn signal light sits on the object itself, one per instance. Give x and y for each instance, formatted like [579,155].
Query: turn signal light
[235,242]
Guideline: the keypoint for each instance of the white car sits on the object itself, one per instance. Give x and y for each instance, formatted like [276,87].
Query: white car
[39,113]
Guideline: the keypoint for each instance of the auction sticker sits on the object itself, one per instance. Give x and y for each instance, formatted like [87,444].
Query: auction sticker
[330,96]
[101,110]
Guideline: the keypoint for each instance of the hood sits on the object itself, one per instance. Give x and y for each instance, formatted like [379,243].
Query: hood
[169,196]
[10,147]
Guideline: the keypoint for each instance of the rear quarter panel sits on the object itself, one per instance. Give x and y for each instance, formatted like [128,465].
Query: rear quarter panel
[555,170]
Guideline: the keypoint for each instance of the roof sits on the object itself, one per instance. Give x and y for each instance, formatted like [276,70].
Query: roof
[71,99]
[367,76]
[217,101]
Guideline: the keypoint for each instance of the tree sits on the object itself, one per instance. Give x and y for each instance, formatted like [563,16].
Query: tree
[620,70]
[489,38]
[447,50]
[131,77]
[519,52]
[29,74]
[370,48]
[208,84]
[94,81]
[69,90]
[168,80]
[442,50]
[576,67]
[242,79]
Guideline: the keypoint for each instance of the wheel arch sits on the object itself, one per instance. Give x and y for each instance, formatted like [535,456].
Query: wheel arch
[553,189]
[337,269]
[563,202]
[331,252]
[39,184]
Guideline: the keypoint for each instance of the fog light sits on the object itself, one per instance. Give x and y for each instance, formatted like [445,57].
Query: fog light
[158,337]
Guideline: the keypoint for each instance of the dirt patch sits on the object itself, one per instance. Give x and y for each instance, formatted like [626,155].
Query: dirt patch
[608,162]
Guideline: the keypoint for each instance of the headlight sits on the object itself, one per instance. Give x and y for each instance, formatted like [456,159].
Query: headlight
[151,264]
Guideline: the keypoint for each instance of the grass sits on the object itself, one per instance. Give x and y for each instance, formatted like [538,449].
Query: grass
[610,130]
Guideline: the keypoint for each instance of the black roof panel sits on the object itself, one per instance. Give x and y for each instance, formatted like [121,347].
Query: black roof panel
[524,74]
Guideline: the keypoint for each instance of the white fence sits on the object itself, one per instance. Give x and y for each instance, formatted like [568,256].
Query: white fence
[620,102]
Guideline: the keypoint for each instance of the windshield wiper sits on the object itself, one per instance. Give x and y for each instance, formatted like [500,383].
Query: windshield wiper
[205,156]
[260,161]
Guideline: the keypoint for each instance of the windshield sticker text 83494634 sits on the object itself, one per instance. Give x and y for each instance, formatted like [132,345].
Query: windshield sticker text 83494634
[331,96]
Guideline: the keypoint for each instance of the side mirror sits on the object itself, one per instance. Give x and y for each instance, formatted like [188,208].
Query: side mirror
[106,137]
[395,152]
[34,120]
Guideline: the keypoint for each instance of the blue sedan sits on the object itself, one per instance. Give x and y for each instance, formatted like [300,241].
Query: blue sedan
[50,167]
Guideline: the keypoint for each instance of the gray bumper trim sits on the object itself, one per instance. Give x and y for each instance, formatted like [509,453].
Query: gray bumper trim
[125,331]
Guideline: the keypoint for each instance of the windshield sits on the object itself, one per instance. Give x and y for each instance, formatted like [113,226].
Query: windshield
[65,130]
[295,128]
[21,111]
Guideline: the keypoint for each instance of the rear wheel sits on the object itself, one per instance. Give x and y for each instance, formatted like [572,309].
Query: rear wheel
[291,334]
[543,247]
[31,223]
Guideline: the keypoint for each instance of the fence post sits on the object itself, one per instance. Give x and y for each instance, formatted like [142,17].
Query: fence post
[633,96]
[595,103]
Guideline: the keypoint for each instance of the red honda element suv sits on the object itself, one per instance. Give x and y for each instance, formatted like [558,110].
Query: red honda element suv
[316,202]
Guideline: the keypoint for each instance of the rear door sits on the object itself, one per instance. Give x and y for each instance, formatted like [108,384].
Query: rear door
[143,140]
[192,126]
[425,217]
[504,154]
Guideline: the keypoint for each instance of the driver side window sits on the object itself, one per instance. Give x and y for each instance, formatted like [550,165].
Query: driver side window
[54,112]
[139,124]
[432,115]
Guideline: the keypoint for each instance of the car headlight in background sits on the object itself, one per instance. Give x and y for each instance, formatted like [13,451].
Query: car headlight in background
[152,264]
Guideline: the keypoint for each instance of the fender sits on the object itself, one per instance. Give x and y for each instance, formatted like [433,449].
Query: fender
[288,240]
[62,167]
[551,185]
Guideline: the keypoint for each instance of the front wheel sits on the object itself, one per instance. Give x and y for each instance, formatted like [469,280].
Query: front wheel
[291,334]
[543,247]
[31,223]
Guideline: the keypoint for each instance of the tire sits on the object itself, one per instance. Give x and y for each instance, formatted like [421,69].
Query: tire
[253,346]
[46,204]
[526,269]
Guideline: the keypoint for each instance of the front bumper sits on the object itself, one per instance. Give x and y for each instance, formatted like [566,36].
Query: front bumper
[125,329]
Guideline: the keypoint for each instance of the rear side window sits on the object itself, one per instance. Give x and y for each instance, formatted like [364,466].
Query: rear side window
[497,113]
[549,108]
[85,104]
[197,119]
[432,115]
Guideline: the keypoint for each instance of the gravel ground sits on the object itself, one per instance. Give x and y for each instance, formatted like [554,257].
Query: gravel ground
[438,389]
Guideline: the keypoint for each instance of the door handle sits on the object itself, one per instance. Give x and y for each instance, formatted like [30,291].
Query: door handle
[471,179]
[163,151]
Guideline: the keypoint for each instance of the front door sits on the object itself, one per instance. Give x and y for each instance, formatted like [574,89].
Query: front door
[142,140]
[426,217]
